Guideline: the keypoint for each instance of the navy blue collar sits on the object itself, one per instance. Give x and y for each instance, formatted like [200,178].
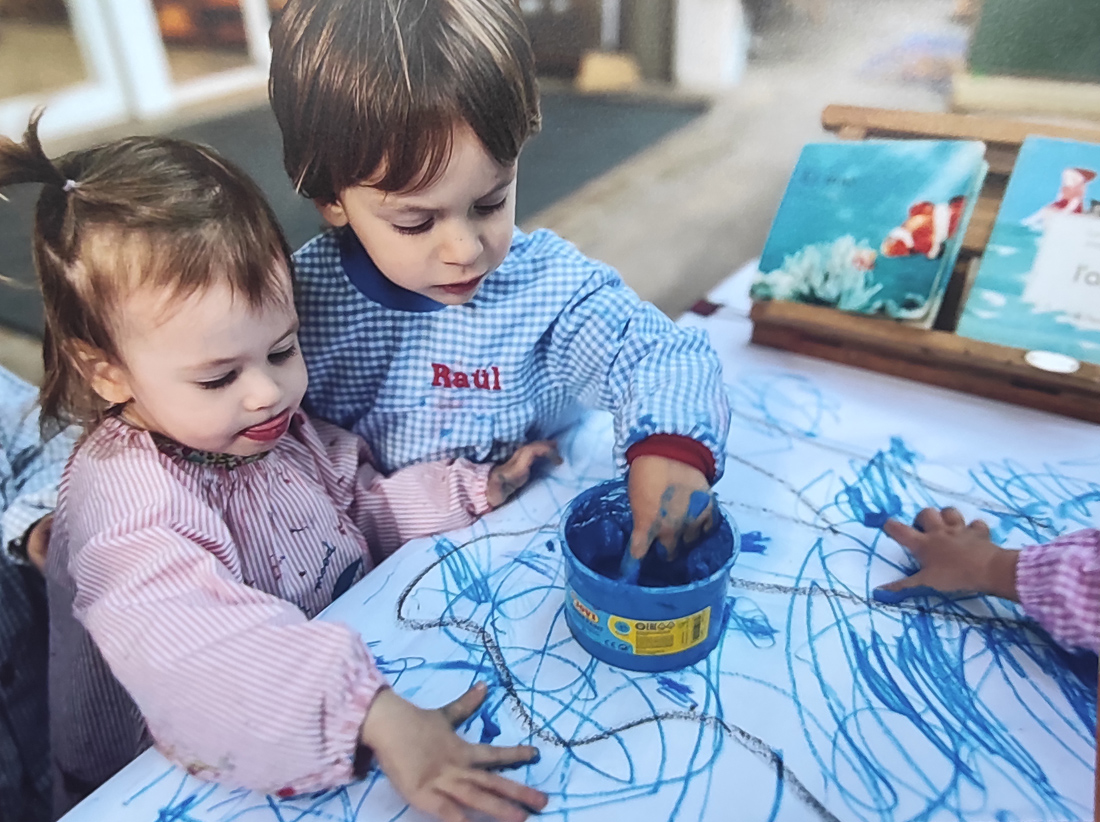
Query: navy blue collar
[372,283]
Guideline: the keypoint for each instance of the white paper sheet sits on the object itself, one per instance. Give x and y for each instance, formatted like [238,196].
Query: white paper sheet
[818,704]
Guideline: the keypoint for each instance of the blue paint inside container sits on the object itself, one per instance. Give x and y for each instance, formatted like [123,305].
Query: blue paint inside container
[672,617]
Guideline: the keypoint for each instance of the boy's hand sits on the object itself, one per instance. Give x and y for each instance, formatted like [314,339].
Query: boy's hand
[955,558]
[508,477]
[437,771]
[660,492]
[38,540]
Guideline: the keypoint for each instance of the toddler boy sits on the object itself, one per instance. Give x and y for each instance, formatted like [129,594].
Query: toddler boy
[430,325]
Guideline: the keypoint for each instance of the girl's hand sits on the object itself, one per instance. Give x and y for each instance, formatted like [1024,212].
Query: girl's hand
[663,495]
[955,558]
[508,477]
[437,771]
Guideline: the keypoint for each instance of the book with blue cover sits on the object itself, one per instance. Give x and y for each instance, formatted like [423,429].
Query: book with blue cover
[1038,285]
[873,226]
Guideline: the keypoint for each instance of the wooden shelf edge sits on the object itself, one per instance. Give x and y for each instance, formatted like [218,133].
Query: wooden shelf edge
[937,357]
[876,122]
[1037,96]
[1070,404]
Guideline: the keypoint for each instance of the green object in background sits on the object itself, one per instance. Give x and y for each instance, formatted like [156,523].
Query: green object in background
[1054,39]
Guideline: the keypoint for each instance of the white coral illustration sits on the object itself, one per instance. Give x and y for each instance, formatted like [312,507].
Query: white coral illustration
[837,274]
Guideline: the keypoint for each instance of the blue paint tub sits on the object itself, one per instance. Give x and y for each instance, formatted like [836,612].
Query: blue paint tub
[641,627]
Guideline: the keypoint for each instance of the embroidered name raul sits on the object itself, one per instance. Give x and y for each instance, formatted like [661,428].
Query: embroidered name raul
[550,331]
[444,376]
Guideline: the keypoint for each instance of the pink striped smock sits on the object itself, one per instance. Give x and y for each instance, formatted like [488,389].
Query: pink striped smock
[1059,587]
[181,596]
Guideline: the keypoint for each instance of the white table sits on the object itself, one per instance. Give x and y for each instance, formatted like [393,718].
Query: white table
[818,703]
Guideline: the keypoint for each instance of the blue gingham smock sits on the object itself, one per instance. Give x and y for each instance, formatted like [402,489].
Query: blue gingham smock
[29,473]
[548,330]
[30,469]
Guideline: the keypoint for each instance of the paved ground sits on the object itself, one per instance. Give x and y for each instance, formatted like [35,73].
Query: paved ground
[679,217]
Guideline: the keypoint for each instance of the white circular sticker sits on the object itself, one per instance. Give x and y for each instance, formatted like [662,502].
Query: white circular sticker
[1051,361]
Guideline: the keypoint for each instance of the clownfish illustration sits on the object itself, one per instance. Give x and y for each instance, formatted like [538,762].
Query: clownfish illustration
[1071,197]
[925,230]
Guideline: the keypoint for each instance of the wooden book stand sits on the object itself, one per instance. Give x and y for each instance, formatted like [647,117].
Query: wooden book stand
[938,356]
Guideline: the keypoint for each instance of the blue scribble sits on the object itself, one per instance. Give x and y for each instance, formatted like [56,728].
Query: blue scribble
[490,730]
[330,549]
[821,701]
[347,578]
[745,617]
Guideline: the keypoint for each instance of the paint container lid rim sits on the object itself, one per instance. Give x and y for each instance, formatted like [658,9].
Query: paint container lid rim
[617,584]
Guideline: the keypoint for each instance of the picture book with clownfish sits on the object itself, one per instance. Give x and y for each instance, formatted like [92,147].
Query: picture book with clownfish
[1038,285]
[873,226]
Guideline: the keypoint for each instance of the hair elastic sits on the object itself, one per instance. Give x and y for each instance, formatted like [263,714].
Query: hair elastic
[70,185]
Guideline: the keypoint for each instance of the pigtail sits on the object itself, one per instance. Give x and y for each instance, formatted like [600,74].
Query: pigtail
[26,162]
[128,214]
[54,248]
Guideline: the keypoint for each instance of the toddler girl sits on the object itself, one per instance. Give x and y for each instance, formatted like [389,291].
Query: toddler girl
[203,518]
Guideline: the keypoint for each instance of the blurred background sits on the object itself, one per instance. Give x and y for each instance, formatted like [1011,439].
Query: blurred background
[670,125]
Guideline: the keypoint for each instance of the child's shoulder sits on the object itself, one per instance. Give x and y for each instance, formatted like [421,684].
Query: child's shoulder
[114,442]
[322,253]
[542,246]
[116,466]
[542,255]
[322,443]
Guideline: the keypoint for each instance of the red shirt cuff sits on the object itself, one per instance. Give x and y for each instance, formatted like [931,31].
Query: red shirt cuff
[675,447]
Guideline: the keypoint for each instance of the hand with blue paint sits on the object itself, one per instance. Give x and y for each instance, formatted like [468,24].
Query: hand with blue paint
[956,558]
[630,569]
[672,505]
[437,771]
[510,476]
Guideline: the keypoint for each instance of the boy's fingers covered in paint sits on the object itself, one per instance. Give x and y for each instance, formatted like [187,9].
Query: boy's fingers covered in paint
[437,771]
[663,502]
[700,516]
[510,476]
[954,557]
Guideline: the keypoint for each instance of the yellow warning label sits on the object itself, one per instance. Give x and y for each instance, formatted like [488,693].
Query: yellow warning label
[662,637]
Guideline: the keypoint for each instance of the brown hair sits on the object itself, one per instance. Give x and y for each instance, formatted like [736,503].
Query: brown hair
[370,90]
[142,211]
